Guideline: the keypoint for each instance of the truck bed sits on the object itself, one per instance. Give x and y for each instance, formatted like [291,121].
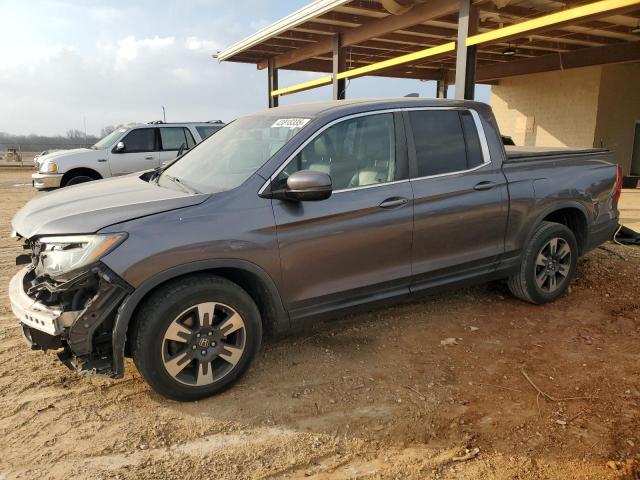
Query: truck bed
[521,154]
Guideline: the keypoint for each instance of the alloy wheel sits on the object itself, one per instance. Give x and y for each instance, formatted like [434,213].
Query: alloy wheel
[553,264]
[203,344]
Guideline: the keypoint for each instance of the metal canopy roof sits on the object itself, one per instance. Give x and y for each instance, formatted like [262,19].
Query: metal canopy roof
[608,32]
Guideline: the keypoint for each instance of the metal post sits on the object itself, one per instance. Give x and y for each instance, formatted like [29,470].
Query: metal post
[466,56]
[470,82]
[272,81]
[339,65]
[442,85]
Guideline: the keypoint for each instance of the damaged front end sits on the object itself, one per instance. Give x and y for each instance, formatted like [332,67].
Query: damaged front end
[66,299]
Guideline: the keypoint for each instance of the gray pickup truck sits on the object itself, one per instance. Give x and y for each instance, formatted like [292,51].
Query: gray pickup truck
[291,215]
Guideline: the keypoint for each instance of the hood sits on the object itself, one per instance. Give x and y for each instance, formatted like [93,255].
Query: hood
[66,153]
[86,153]
[91,206]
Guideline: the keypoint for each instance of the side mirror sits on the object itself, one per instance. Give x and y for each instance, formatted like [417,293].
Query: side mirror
[120,147]
[308,186]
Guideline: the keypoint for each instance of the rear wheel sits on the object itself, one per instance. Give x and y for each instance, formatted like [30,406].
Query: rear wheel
[548,264]
[195,337]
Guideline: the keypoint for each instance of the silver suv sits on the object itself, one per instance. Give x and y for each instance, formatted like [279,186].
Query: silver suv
[125,150]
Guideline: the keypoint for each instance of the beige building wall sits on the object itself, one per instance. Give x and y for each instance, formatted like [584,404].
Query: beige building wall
[618,111]
[581,107]
[550,109]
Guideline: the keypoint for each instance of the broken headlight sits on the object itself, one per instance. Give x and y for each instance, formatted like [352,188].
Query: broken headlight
[66,253]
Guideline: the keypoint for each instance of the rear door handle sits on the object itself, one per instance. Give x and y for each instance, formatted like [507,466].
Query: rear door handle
[485,186]
[149,157]
[394,202]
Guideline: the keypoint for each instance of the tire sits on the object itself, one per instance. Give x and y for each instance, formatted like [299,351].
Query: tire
[207,312]
[540,265]
[77,179]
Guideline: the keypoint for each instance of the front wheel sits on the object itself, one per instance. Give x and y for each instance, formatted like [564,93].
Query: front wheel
[78,179]
[548,264]
[194,337]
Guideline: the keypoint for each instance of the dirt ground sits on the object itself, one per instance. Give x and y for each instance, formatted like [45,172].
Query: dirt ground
[370,396]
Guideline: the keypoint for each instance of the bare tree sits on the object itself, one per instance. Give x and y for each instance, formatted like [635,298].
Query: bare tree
[75,134]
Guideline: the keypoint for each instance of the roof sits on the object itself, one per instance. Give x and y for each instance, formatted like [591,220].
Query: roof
[340,108]
[306,13]
[302,40]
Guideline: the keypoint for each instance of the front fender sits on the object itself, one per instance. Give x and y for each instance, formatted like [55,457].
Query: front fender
[280,323]
[97,161]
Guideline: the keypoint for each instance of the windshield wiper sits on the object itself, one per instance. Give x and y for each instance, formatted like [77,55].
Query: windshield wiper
[187,186]
[180,183]
[155,176]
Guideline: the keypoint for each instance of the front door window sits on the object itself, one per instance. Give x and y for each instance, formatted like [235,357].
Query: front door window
[355,153]
[139,140]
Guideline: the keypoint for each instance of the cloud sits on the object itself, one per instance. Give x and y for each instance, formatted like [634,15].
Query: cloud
[129,48]
[122,60]
[195,43]
[124,81]
[106,14]
[185,75]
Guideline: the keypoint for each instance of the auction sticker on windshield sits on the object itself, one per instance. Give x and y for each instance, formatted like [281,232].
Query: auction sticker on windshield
[290,123]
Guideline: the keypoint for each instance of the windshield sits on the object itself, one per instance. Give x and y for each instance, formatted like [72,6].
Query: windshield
[232,155]
[109,140]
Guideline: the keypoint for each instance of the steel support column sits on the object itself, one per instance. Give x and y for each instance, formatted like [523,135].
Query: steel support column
[339,65]
[466,56]
[442,85]
[272,80]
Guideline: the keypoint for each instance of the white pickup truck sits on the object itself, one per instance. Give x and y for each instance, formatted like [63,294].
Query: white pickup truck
[125,150]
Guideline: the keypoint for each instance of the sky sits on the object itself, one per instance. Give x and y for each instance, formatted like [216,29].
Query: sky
[67,63]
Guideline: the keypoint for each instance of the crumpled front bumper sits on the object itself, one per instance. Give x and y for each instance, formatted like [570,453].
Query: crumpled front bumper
[82,336]
[34,314]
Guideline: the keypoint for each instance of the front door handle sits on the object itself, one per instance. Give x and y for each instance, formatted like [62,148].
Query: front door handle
[149,157]
[394,202]
[485,186]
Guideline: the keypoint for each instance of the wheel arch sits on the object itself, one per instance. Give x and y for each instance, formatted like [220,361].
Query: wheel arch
[571,214]
[80,171]
[249,276]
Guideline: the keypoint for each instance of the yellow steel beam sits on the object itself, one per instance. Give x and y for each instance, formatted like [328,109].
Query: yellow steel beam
[357,72]
[318,82]
[392,62]
[563,16]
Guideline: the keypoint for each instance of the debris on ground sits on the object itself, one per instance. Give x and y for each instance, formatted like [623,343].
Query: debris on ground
[468,455]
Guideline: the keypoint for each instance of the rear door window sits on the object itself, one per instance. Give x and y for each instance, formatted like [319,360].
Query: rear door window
[173,138]
[446,141]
